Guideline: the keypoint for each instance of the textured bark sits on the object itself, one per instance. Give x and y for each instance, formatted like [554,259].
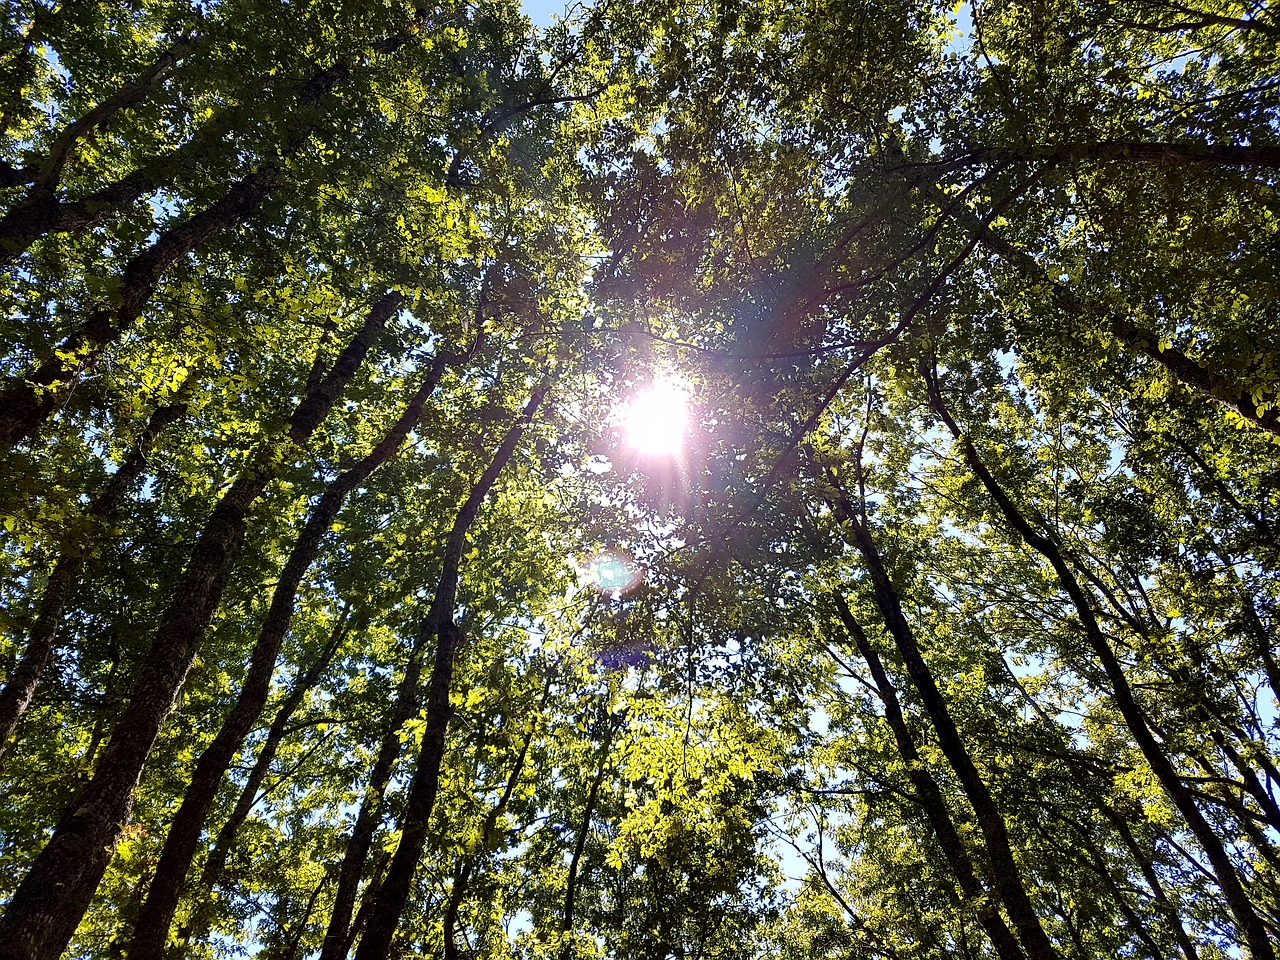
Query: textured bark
[20,686]
[47,907]
[388,904]
[41,212]
[152,928]
[26,401]
[1250,924]
[50,168]
[215,864]
[930,796]
[1007,876]
[1193,18]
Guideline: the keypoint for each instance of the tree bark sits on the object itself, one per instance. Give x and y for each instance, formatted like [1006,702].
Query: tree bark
[49,170]
[930,795]
[1226,391]
[1199,19]
[44,912]
[26,401]
[340,931]
[389,902]
[152,928]
[20,686]
[1006,874]
[1250,924]
[211,874]
[1183,368]
[40,212]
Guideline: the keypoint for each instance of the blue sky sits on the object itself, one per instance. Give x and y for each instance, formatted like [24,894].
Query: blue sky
[540,11]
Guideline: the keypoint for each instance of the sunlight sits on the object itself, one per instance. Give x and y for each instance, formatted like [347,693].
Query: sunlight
[655,420]
[611,572]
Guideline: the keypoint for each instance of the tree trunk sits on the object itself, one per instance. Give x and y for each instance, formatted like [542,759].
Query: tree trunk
[930,795]
[152,928]
[340,931]
[213,867]
[1006,874]
[388,904]
[1225,390]
[1251,926]
[20,687]
[49,170]
[44,912]
[1186,370]
[166,878]
[41,212]
[27,400]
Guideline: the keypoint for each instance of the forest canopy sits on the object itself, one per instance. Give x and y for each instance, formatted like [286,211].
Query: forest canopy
[687,481]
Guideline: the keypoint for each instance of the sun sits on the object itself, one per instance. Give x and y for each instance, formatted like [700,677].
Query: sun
[656,418]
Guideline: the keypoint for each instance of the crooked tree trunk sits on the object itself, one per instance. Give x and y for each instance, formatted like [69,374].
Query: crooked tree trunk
[20,687]
[1007,876]
[930,795]
[1185,369]
[40,211]
[47,907]
[152,928]
[1252,928]
[388,904]
[27,400]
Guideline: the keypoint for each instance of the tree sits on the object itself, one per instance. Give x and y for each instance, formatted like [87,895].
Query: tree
[340,613]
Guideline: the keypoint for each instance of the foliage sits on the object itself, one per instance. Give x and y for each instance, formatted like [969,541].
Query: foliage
[953,625]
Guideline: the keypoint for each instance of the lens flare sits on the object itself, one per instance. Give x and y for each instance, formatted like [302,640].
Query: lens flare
[611,572]
[655,420]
